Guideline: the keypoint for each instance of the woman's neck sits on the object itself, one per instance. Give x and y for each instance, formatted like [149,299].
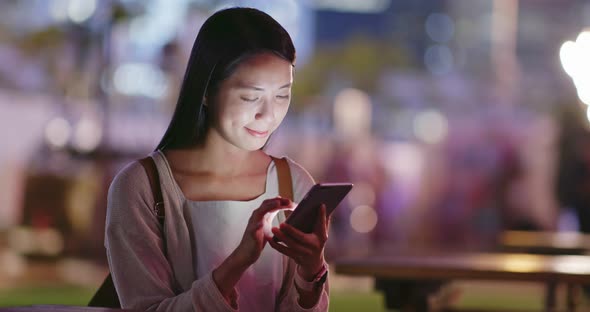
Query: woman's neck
[215,157]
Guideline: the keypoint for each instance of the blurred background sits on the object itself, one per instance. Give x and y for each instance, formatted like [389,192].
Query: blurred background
[455,119]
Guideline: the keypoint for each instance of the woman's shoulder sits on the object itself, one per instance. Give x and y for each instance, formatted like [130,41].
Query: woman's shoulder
[129,193]
[131,185]
[131,175]
[297,170]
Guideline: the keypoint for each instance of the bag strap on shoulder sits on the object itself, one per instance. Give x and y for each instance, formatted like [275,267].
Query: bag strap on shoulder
[152,172]
[285,182]
[286,191]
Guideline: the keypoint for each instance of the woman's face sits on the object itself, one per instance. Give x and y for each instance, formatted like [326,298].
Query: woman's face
[253,101]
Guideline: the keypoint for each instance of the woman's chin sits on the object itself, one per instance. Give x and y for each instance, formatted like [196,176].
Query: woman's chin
[253,146]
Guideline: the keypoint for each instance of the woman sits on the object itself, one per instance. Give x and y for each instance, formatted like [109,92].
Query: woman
[219,187]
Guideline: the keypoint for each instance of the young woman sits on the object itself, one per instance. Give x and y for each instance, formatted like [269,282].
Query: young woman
[219,188]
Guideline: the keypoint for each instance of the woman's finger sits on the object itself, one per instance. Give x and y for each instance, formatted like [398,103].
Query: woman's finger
[270,205]
[296,234]
[321,224]
[290,242]
[282,249]
[266,204]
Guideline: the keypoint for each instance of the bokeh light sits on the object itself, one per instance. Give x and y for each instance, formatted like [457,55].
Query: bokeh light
[81,10]
[439,59]
[569,57]
[140,79]
[22,240]
[11,263]
[404,161]
[50,241]
[43,241]
[430,126]
[521,263]
[575,62]
[366,6]
[440,27]
[87,135]
[59,10]
[363,219]
[361,194]
[352,112]
[58,132]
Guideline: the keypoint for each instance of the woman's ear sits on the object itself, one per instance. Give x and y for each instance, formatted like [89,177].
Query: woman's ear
[205,102]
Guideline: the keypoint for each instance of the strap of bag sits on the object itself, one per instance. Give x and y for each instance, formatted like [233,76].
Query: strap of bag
[152,172]
[285,182]
[286,191]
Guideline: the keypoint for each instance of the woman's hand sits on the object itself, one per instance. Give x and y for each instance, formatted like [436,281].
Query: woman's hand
[253,241]
[307,250]
[227,275]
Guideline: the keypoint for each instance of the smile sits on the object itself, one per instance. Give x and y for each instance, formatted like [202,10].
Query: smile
[258,134]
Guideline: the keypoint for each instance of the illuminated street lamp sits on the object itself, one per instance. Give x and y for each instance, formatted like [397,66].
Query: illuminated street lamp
[575,62]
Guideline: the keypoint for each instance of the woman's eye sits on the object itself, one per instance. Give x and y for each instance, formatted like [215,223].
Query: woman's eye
[249,99]
[282,96]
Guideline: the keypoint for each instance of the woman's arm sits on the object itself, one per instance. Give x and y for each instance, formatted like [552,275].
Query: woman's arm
[142,275]
[298,299]
[319,292]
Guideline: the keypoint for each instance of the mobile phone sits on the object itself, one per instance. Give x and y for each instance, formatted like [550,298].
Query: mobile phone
[307,211]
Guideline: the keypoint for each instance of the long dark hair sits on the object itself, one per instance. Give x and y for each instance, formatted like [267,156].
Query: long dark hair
[226,39]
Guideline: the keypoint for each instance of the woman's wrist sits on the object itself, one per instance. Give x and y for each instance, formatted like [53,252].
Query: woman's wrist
[309,273]
[310,290]
[228,273]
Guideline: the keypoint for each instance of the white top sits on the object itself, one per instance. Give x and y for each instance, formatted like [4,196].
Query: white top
[218,227]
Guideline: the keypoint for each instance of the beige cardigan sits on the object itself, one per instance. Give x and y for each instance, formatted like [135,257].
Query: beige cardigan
[145,277]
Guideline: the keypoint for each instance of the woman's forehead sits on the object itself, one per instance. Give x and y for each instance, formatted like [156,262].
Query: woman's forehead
[261,71]
[263,62]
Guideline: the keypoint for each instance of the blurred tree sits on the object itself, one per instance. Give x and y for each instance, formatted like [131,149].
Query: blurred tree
[51,43]
[38,42]
[361,61]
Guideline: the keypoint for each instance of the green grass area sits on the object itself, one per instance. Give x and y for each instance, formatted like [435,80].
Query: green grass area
[77,296]
[339,301]
[505,302]
[62,295]
[348,302]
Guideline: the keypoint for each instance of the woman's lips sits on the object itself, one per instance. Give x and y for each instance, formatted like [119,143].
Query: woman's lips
[258,134]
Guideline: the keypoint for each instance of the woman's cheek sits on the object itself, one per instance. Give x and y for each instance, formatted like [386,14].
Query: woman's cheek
[240,114]
[283,113]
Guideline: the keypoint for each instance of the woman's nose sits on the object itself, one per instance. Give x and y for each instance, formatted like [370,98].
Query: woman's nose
[265,111]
